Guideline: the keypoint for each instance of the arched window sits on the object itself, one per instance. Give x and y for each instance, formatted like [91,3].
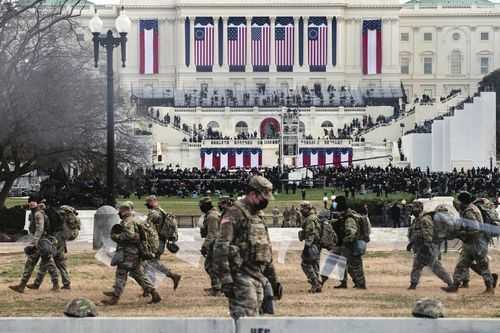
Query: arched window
[213,125]
[327,123]
[302,127]
[456,62]
[241,127]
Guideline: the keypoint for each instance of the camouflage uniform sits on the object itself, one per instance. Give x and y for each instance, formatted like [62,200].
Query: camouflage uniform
[60,262]
[243,254]
[211,225]
[127,241]
[475,249]
[310,234]
[426,249]
[38,228]
[347,230]
[158,217]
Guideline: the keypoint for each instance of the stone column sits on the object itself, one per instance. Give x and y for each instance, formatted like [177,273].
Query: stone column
[191,43]
[216,67]
[329,45]
[395,43]
[180,42]
[340,42]
[296,65]
[386,44]
[225,66]
[249,44]
[272,66]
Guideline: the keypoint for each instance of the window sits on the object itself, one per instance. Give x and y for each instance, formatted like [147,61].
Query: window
[213,125]
[456,62]
[327,123]
[428,65]
[241,127]
[405,65]
[485,65]
[405,36]
[428,36]
[485,36]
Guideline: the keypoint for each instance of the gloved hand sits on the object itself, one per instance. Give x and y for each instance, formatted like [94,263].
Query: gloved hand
[204,251]
[228,290]
[278,291]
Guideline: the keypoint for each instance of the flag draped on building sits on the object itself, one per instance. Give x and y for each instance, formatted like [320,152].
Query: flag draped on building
[324,157]
[334,41]
[231,158]
[149,46]
[237,44]
[261,44]
[372,47]
[204,44]
[317,43]
[284,36]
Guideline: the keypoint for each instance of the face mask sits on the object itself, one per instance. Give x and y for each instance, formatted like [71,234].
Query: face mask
[149,206]
[205,208]
[262,204]
[334,205]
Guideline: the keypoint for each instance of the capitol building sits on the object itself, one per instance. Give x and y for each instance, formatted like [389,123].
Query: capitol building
[216,82]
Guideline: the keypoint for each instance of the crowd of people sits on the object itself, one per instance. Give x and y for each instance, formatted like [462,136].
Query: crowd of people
[354,181]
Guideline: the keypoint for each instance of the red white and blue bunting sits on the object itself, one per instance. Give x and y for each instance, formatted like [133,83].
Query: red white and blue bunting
[231,158]
[330,157]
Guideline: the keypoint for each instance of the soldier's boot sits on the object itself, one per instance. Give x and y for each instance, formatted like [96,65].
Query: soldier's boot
[342,285]
[155,297]
[18,288]
[66,287]
[489,291]
[465,284]
[108,293]
[33,286]
[111,301]
[176,278]
[451,288]
[55,286]
[323,279]
[360,286]
[412,286]
[146,293]
[495,279]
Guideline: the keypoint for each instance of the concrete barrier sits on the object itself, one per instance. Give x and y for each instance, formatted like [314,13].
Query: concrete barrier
[366,325]
[114,325]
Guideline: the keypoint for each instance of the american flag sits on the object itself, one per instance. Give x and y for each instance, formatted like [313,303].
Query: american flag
[204,45]
[284,39]
[317,44]
[261,44]
[237,44]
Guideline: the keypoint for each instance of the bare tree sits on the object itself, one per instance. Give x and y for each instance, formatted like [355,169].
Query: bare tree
[51,101]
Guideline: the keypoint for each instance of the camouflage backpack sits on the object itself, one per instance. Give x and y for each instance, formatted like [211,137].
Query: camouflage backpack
[489,214]
[149,240]
[328,237]
[168,228]
[71,222]
[364,225]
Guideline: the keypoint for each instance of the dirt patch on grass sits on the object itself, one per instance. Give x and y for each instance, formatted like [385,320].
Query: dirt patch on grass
[387,277]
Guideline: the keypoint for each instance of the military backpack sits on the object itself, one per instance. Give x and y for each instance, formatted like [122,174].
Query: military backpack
[168,228]
[364,226]
[149,241]
[489,214]
[328,237]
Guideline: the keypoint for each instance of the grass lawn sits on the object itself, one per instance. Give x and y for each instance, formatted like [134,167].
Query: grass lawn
[189,206]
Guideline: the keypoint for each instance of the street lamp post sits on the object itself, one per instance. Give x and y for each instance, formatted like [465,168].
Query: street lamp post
[109,42]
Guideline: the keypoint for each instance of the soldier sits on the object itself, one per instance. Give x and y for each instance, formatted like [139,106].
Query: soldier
[210,231]
[276,216]
[243,253]
[298,217]
[224,203]
[425,245]
[127,257]
[310,234]
[59,260]
[40,248]
[347,228]
[475,246]
[165,226]
[286,218]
